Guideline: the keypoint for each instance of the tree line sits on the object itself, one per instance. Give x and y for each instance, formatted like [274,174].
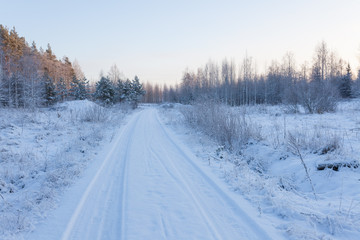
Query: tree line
[316,86]
[110,91]
[32,77]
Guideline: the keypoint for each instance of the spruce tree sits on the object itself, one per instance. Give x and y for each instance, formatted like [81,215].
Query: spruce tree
[105,92]
[61,90]
[119,91]
[82,87]
[49,90]
[127,89]
[136,93]
[345,85]
[355,90]
[78,89]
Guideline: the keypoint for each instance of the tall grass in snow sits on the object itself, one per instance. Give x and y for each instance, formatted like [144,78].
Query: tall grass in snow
[229,127]
[41,153]
[275,173]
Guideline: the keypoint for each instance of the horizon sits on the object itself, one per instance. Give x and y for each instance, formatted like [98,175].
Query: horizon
[158,41]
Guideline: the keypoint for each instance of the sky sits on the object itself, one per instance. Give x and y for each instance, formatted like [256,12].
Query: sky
[158,39]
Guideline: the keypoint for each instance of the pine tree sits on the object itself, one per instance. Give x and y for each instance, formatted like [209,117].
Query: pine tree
[105,92]
[345,85]
[22,83]
[49,53]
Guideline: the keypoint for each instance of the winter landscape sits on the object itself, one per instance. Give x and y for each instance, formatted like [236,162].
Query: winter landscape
[203,141]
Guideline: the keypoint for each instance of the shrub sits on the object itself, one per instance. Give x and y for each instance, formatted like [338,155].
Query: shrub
[221,122]
[95,113]
[318,97]
[319,140]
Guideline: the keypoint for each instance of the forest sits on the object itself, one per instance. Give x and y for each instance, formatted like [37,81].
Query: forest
[32,77]
[317,87]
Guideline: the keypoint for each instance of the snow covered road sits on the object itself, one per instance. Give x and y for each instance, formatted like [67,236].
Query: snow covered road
[149,186]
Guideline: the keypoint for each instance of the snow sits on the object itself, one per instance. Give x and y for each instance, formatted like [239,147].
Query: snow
[272,178]
[149,185]
[42,153]
[79,171]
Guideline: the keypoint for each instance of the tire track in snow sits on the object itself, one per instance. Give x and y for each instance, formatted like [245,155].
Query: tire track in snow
[80,207]
[231,203]
[101,226]
[124,178]
[164,227]
[181,182]
[151,187]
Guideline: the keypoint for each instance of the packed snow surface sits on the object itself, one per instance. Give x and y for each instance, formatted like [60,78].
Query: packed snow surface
[148,185]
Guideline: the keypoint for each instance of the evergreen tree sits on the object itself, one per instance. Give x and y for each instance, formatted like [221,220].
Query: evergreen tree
[78,88]
[127,89]
[355,90]
[136,92]
[83,89]
[345,85]
[105,92]
[119,91]
[49,90]
[61,90]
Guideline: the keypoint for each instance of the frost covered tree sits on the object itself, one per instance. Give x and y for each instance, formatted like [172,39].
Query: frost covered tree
[104,91]
[187,88]
[127,88]
[16,88]
[119,91]
[345,84]
[136,92]
[49,90]
[61,90]
[321,60]
[78,89]
[77,70]
[26,71]
[1,81]
[114,74]
[149,96]
[356,86]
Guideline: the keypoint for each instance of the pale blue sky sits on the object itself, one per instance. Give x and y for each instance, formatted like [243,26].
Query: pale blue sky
[157,39]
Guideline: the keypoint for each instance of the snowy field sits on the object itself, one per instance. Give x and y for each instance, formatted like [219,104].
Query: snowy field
[44,151]
[323,203]
[291,176]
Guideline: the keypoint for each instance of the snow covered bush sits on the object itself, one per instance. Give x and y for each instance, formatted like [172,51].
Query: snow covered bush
[95,113]
[318,140]
[228,127]
[318,96]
